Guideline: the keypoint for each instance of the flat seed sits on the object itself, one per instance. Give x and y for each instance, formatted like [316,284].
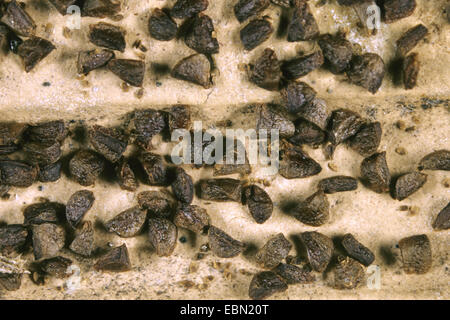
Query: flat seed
[157,203]
[178,117]
[348,274]
[188,8]
[195,68]
[343,125]
[416,254]
[337,52]
[108,36]
[163,236]
[301,66]
[356,250]
[129,70]
[83,242]
[410,39]
[259,203]
[13,239]
[56,266]
[86,166]
[266,73]
[245,9]
[319,249]
[155,168]
[191,217]
[297,95]
[223,189]
[293,274]
[101,8]
[116,260]
[34,50]
[43,153]
[411,68]
[223,245]
[50,173]
[272,120]
[438,160]
[295,163]
[273,252]
[264,284]
[93,59]
[78,205]
[314,211]
[145,124]
[128,223]
[407,184]
[398,9]
[161,26]
[442,221]
[125,175]
[367,71]
[183,186]
[48,240]
[16,18]
[45,212]
[338,184]
[200,35]
[47,132]
[255,32]
[375,172]
[367,139]
[17,173]
[302,26]
[307,133]
[109,142]
[10,282]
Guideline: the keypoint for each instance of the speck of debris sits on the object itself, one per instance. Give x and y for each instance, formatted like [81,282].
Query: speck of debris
[446,182]
[400,150]
[46,84]
[430,103]
[183,239]
[401,124]
[158,84]
[332,166]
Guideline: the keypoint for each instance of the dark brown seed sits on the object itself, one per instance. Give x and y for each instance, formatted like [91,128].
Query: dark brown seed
[398,9]
[442,221]
[407,184]
[314,211]
[188,8]
[195,68]
[259,203]
[241,164]
[129,70]
[33,50]
[319,249]
[224,189]
[50,173]
[438,160]
[17,173]
[48,132]
[338,184]
[307,133]
[416,254]
[144,125]
[191,217]
[86,166]
[56,266]
[411,68]
[43,153]
[410,39]
[348,273]
[297,95]
[163,236]
[62,5]
[101,8]
[367,71]
[199,36]
[155,168]
[245,9]
[266,73]
[337,52]
[10,136]
[293,274]
[48,239]
[223,245]
[273,252]
[356,250]
[343,125]
[178,117]
[302,26]
[116,260]
[109,142]
[125,175]
[161,26]
[295,163]
[264,284]
[78,205]
[272,120]
[45,212]
[182,186]
[367,139]
[128,223]
[16,18]
[375,172]
[93,59]
[4,192]
[299,67]
[255,33]
[83,242]
[13,239]
[157,203]
[10,281]
[108,36]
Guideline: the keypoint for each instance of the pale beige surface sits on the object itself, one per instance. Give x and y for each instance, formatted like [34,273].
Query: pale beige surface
[372,218]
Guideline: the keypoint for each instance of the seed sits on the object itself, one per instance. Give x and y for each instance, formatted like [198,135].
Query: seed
[259,203]
[356,250]
[273,252]
[293,274]
[116,260]
[199,36]
[411,68]
[17,173]
[223,189]
[10,136]
[43,153]
[245,9]
[10,282]
[4,41]
[155,168]
[314,211]
[407,184]
[297,95]
[48,239]
[85,167]
[319,249]
[442,221]
[188,8]
[195,68]
[307,133]
[337,52]
[56,266]
[13,239]
[272,120]
[338,184]
[223,245]
[78,205]
[241,164]
[375,172]
[157,203]
[145,124]
[348,273]
[108,36]
[33,50]
[302,26]
[410,39]
[128,223]
[398,9]
[109,142]
[295,163]
[50,173]
[163,236]
[416,254]
[191,217]
[367,139]
[45,212]
[255,32]
[93,59]
[178,117]
[343,125]
[182,186]
[161,26]
[48,132]
[126,177]
[367,71]
[438,160]
[266,73]
[264,284]
[299,67]
[83,242]
[16,18]
[101,8]
[62,5]
[129,70]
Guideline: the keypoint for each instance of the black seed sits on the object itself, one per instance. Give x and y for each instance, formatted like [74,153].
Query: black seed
[56,266]
[182,186]
[367,139]
[93,59]
[62,5]
[410,39]
[78,205]
[86,166]
[10,136]
[272,120]
[343,125]
[307,133]
[188,8]
[411,68]
[11,281]
[144,125]
[438,160]
[266,73]
[128,223]
[259,203]
[45,212]
[297,95]
[199,36]
[109,142]
[375,172]
[33,50]
[224,189]
[17,173]
[337,52]
[157,203]
[442,221]
[125,175]
[357,251]
[255,33]
[83,242]
[101,8]
[223,245]
[394,10]
[116,260]
[302,26]
[295,163]
[13,239]
[416,254]
[273,252]
[245,9]
[195,68]
[407,184]
[48,132]
[163,236]
[319,249]
[129,70]
[348,273]
[178,117]
[50,173]
[16,18]
[161,26]
[43,153]
[338,184]
[108,36]
[367,71]
[48,239]
[314,211]
[155,169]
[191,217]
[299,67]
[293,274]
[264,284]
